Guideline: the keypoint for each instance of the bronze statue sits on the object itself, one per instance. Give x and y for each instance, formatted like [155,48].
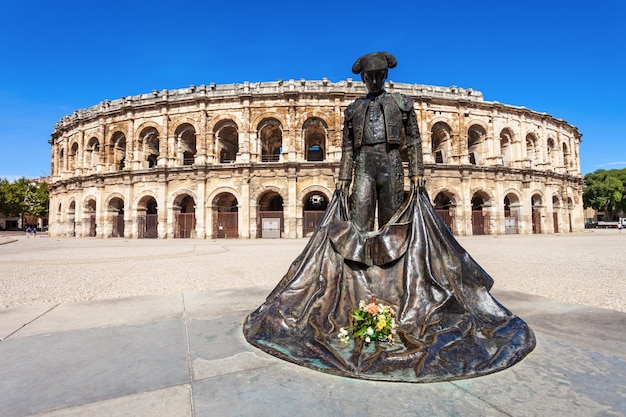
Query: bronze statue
[402,302]
[371,145]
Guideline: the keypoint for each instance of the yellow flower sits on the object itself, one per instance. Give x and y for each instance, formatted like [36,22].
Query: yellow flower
[382,322]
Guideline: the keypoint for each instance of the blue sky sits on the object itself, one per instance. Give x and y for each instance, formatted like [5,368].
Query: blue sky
[565,58]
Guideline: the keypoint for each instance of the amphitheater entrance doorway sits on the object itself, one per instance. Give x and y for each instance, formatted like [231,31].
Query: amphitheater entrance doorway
[71,219]
[536,213]
[90,217]
[314,204]
[116,208]
[511,214]
[185,217]
[480,218]
[225,216]
[147,219]
[270,216]
[443,205]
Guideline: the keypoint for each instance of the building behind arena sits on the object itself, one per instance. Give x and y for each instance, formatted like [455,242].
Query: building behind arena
[257,160]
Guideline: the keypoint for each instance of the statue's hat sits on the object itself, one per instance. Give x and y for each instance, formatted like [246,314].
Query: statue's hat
[374,61]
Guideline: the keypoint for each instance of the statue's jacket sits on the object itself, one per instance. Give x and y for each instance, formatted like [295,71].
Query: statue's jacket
[398,113]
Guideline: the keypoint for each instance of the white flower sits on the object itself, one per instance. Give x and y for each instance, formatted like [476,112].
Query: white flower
[367,339]
[370,331]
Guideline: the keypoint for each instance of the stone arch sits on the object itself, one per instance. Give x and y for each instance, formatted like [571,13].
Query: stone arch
[117,153]
[185,134]
[149,146]
[532,148]
[537,210]
[270,214]
[315,137]
[314,201]
[115,214]
[183,204]
[481,200]
[226,134]
[566,155]
[225,214]
[445,203]
[176,197]
[222,190]
[270,135]
[441,137]
[506,145]
[476,138]
[92,154]
[71,218]
[73,155]
[147,210]
[552,152]
[512,208]
[89,216]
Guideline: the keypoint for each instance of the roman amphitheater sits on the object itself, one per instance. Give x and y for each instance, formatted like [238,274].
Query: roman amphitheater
[259,160]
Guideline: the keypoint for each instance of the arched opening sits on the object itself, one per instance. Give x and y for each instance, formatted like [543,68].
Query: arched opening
[270,217]
[506,144]
[147,218]
[555,213]
[271,136]
[315,139]
[480,217]
[475,138]
[570,207]
[552,157]
[93,153]
[186,136]
[90,217]
[440,136]
[566,155]
[184,216]
[73,156]
[227,142]
[225,216]
[444,206]
[116,208]
[118,151]
[536,204]
[71,219]
[511,214]
[149,139]
[531,149]
[314,207]
[61,160]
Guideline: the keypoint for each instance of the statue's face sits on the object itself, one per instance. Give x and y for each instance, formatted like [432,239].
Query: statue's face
[374,80]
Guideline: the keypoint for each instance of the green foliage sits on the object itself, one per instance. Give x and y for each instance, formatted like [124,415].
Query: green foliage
[606,191]
[23,196]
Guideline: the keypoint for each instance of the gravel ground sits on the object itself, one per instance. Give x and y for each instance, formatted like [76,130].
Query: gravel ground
[584,268]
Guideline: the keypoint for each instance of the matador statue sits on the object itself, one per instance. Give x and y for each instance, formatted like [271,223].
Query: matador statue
[438,322]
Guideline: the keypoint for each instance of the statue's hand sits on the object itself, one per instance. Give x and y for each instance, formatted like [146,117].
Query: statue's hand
[418,182]
[342,185]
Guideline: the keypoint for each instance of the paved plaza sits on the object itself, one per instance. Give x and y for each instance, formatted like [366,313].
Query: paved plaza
[119,327]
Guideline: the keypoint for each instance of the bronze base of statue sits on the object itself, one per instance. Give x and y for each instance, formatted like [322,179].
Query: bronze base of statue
[448,324]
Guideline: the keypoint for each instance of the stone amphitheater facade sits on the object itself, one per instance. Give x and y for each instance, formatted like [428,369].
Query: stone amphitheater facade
[259,160]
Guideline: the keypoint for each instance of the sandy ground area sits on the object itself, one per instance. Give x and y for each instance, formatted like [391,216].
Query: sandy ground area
[586,268]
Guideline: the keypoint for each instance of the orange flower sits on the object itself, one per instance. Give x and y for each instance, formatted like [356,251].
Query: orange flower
[372,308]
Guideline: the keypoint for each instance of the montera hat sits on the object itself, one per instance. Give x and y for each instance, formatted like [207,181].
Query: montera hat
[374,61]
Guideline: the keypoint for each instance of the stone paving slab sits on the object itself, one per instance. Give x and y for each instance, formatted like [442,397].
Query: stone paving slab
[188,357]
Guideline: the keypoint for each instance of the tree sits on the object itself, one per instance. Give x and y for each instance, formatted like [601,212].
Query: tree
[606,191]
[23,197]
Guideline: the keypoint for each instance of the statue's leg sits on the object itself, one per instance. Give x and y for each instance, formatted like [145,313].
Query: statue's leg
[390,184]
[363,198]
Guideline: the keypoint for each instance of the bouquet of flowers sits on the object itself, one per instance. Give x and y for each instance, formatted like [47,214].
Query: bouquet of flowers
[371,321]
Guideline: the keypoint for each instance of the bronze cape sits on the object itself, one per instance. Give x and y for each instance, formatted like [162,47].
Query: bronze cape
[449,326]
